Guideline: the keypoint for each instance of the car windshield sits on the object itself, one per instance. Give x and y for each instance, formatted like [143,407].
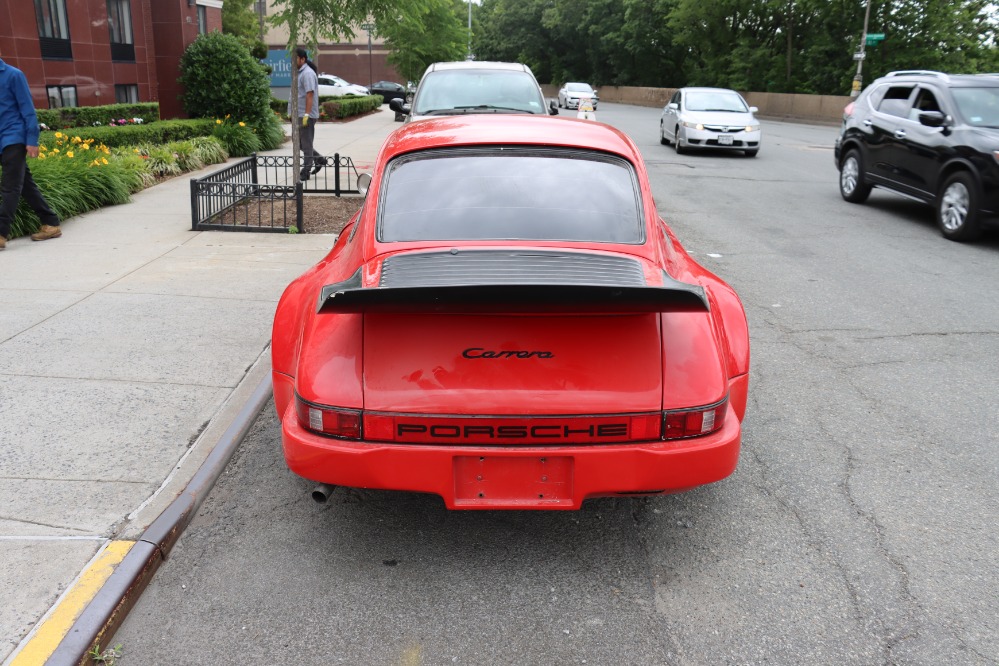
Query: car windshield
[510,194]
[979,106]
[578,87]
[463,90]
[715,101]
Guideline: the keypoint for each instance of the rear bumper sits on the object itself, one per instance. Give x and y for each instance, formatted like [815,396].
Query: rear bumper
[482,477]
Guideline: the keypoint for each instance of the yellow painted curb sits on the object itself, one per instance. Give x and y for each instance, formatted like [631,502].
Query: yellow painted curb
[55,627]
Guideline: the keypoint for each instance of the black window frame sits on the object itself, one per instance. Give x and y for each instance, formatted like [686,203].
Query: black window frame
[126,93]
[53,29]
[120,30]
[60,91]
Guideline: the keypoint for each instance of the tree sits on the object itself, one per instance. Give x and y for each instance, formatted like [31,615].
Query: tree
[330,19]
[240,21]
[434,33]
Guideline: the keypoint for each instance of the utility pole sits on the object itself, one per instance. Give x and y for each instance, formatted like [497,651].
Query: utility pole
[858,79]
[469,56]
[369,27]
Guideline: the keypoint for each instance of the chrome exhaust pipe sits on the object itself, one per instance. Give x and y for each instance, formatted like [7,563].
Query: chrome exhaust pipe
[322,493]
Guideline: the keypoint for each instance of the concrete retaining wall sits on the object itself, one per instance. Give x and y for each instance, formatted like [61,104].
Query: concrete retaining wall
[811,108]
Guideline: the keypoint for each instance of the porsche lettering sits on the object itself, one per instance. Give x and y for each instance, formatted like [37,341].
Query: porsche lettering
[480,352]
[547,431]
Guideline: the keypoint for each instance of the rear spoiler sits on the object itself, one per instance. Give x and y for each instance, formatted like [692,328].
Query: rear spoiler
[552,286]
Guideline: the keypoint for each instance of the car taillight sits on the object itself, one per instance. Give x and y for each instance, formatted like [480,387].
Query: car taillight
[848,111]
[681,423]
[332,421]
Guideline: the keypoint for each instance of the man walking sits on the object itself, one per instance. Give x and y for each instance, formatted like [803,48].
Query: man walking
[308,112]
[19,140]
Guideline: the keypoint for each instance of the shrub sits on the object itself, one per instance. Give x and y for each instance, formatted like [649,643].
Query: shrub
[210,150]
[187,155]
[163,131]
[270,132]
[221,78]
[87,116]
[238,138]
[162,160]
[344,107]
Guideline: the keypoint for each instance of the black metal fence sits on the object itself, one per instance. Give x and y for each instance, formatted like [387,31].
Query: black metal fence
[258,193]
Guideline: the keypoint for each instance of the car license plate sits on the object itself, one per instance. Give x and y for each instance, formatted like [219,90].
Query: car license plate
[724,139]
[531,481]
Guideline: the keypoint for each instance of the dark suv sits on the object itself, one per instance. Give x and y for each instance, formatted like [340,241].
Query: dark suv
[930,136]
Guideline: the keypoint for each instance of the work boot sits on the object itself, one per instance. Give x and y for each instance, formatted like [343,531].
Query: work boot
[320,163]
[46,232]
[304,175]
[3,242]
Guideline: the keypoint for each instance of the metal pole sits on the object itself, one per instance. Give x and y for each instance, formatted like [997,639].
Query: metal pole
[371,79]
[469,56]
[858,79]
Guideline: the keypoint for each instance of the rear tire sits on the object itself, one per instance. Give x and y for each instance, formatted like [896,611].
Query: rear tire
[957,208]
[851,179]
[680,150]
[662,135]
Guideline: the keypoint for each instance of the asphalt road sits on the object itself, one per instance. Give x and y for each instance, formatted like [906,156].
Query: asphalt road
[859,528]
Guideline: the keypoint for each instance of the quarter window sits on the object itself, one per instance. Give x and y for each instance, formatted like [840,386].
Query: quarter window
[896,101]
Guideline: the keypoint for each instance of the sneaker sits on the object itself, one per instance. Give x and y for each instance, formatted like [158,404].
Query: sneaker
[320,163]
[46,232]
[3,242]
[304,175]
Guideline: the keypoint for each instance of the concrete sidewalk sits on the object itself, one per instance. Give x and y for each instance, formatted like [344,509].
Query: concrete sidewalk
[126,348]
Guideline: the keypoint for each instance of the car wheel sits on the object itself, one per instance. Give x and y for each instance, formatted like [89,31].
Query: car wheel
[752,153]
[677,144]
[662,135]
[957,208]
[851,179]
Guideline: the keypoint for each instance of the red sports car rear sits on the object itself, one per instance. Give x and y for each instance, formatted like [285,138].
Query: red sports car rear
[507,323]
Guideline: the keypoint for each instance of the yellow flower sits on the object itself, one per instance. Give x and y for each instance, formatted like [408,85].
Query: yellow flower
[58,135]
[218,122]
[69,153]
[41,156]
[227,115]
[104,160]
[242,124]
[42,149]
[55,150]
[76,139]
[135,150]
[85,146]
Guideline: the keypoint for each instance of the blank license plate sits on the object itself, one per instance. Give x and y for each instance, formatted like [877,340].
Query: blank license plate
[724,139]
[485,480]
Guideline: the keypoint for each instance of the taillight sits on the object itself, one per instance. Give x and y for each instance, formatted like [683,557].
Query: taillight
[693,422]
[331,421]
[848,111]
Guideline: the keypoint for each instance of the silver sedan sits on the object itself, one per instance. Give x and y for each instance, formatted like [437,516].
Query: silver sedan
[710,118]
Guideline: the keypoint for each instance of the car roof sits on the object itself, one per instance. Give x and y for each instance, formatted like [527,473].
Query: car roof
[507,130]
[706,89]
[956,80]
[478,64]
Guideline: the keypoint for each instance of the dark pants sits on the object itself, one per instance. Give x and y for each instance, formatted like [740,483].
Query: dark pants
[307,136]
[17,182]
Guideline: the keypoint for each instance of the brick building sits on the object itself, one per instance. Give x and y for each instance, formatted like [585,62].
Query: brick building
[94,52]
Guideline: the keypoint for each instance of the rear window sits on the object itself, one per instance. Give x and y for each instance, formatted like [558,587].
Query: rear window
[510,194]
[448,90]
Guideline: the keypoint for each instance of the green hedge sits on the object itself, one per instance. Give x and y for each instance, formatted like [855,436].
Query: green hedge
[344,107]
[163,131]
[86,116]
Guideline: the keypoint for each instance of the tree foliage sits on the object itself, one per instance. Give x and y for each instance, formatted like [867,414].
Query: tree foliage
[801,46]
[240,21]
[221,78]
[434,32]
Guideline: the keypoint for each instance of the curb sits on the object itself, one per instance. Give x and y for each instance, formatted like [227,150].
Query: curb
[119,593]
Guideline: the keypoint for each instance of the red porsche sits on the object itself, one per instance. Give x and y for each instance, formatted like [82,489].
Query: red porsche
[508,323]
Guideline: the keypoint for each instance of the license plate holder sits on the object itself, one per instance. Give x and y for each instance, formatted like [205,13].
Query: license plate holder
[725,139]
[513,481]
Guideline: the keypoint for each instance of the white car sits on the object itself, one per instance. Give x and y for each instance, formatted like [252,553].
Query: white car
[571,93]
[333,86]
[710,118]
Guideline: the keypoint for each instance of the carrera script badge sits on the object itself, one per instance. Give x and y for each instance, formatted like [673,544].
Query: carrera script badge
[480,352]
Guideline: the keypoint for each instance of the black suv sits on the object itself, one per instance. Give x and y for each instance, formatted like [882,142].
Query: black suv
[930,136]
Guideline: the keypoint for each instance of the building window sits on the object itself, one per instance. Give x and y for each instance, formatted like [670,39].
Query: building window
[202,20]
[127,93]
[120,27]
[60,96]
[53,29]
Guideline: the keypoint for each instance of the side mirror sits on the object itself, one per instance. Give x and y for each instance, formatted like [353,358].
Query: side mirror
[754,109]
[933,118]
[399,106]
[363,183]
[552,108]
[673,105]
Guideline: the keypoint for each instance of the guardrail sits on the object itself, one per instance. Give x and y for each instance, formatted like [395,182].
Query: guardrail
[258,193]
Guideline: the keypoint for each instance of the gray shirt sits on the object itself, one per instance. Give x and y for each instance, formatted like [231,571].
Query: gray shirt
[307,80]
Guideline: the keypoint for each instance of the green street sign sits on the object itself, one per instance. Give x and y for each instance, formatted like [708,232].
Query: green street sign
[371,26]
[873,38]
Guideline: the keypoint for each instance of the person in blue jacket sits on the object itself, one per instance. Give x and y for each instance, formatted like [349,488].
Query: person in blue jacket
[18,141]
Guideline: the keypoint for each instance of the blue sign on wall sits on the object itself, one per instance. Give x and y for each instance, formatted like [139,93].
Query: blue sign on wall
[280,68]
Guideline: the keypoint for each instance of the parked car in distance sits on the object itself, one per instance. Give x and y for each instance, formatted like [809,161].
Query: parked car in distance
[927,135]
[389,90]
[570,94]
[710,118]
[475,87]
[508,324]
[331,85]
